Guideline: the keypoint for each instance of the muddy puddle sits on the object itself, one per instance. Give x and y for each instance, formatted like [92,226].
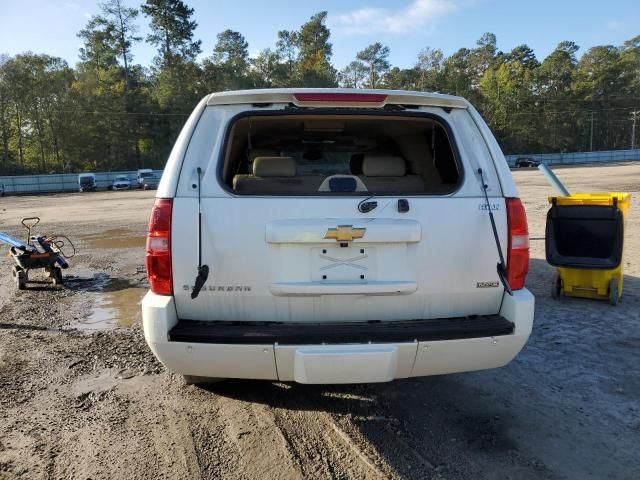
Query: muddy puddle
[116,304]
[114,238]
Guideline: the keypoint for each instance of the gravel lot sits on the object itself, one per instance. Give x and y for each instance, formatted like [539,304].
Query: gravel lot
[81,396]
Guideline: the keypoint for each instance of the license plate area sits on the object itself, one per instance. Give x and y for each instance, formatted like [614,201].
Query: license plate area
[345,364]
[354,263]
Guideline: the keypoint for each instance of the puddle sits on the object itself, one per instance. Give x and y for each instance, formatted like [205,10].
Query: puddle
[114,238]
[116,305]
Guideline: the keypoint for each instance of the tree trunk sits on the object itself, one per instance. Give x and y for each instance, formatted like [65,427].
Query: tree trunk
[19,128]
[54,136]
[43,161]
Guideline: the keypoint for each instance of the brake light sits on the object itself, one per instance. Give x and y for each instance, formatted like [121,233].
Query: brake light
[158,256]
[518,248]
[341,97]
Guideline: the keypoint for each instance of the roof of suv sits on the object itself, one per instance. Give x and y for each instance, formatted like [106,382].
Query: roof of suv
[341,97]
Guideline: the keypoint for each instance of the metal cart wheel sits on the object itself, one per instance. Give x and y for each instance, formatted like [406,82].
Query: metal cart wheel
[56,275]
[20,277]
[613,292]
[556,287]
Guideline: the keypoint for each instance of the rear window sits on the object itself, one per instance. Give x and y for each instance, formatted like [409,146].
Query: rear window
[339,154]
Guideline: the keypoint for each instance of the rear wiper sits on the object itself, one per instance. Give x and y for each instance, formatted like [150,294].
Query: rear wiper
[502,268]
[203,270]
[366,204]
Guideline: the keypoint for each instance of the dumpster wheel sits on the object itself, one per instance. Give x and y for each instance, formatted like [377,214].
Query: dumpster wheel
[613,291]
[556,287]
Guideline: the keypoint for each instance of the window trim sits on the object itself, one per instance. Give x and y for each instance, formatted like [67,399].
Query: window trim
[346,112]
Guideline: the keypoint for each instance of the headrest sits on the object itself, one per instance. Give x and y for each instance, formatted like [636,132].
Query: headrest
[383,166]
[262,152]
[274,167]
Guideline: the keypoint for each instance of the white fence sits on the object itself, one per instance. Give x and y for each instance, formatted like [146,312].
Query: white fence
[579,157]
[69,182]
[60,182]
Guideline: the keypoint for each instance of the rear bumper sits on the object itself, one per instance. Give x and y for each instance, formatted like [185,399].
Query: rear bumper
[338,353]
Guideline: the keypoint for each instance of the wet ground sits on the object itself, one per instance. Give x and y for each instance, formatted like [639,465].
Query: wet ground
[81,396]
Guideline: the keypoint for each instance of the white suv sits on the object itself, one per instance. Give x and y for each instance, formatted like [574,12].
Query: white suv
[336,236]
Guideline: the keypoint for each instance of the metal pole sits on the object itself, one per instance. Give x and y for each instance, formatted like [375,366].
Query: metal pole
[634,117]
[591,136]
[554,181]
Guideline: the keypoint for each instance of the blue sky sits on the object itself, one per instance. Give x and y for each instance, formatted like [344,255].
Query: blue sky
[406,26]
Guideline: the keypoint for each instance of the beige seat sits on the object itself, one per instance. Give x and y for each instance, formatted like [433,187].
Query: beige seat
[388,174]
[272,175]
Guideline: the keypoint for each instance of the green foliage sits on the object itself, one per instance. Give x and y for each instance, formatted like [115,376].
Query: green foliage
[108,113]
[171,30]
[376,61]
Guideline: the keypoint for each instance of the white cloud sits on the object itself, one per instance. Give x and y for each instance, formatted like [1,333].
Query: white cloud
[417,14]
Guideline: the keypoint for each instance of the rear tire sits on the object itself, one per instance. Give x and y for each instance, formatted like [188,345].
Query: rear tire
[613,292]
[197,380]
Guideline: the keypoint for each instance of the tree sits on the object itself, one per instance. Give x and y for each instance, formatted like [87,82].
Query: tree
[353,75]
[99,51]
[457,73]
[171,30]
[288,51]
[375,57]
[429,69]
[5,114]
[121,19]
[228,67]
[403,79]
[314,53]
[554,86]
[267,71]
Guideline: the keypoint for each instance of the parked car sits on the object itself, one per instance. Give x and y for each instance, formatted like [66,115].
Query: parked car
[121,182]
[150,182]
[523,162]
[336,236]
[87,182]
[143,174]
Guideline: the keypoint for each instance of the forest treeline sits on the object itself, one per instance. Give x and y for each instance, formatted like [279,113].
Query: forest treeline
[110,113]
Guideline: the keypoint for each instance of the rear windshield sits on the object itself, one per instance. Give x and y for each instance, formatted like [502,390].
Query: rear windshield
[339,154]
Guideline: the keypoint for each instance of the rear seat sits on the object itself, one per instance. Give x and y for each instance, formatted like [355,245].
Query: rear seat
[273,175]
[387,173]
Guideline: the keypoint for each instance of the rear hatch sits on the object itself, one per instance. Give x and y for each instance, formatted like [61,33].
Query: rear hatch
[282,249]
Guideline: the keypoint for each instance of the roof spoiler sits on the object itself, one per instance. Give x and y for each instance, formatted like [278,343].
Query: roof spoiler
[336,98]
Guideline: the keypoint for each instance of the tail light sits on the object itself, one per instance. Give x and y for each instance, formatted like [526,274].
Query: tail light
[340,97]
[518,248]
[159,247]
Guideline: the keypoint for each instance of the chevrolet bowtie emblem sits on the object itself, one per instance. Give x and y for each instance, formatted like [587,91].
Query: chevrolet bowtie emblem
[345,233]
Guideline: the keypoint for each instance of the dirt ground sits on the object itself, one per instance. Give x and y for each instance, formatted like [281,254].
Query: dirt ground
[81,396]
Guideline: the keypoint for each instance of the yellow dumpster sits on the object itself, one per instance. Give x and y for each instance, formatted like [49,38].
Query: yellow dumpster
[584,239]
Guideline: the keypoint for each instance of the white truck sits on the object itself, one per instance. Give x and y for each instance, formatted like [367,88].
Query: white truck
[143,175]
[336,236]
[87,182]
